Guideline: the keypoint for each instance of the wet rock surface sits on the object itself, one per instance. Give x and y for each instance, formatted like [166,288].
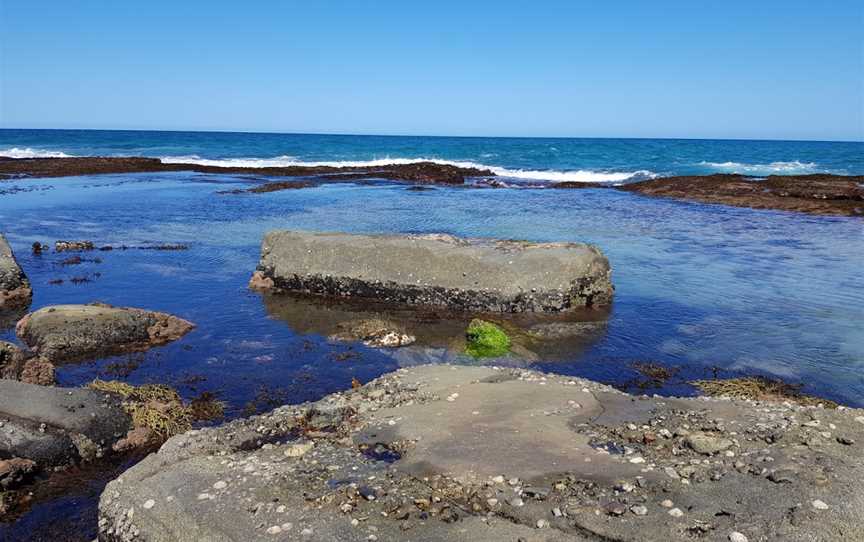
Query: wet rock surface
[17,364]
[57,426]
[420,172]
[470,453]
[437,270]
[76,332]
[819,194]
[15,290]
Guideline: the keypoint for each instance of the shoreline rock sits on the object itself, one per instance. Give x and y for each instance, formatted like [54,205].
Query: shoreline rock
[76,332]
[15,289]
[443,453]
[476,275]
[820,194]
[419,172]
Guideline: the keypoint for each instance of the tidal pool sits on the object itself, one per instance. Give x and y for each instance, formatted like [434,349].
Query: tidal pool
[710,289]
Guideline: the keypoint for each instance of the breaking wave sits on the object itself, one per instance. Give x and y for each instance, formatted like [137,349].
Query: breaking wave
[580,176]
[27,152]
[773,168]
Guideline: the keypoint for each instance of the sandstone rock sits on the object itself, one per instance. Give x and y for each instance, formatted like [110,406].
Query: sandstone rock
[15,291]
[75,332]
[438,270]
[419,467]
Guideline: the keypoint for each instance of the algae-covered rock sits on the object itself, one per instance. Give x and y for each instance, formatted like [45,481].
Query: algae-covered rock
[486,340]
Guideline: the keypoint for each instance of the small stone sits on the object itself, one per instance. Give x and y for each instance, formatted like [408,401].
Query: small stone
[542,523]
[150,503]
[735,536]
[672,473]
[819,505]
[782,476]
[667,504]
[298,450]
[705,444]
[498,479]
[845,441]
[516,501]
[676,513]
[615,509]
[639,510]
[637,460]
[274,530]
[220,485]
[492,503]
[306,532]
[557,512]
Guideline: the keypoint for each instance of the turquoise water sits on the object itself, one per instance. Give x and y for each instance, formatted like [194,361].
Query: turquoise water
[615,160]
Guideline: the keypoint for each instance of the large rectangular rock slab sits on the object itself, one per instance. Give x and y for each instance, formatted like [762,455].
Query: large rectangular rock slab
[477,275]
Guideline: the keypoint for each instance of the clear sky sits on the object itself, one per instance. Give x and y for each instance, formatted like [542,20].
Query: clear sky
[727,69]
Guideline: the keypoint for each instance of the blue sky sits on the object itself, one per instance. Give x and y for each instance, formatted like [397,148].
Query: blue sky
[773,70]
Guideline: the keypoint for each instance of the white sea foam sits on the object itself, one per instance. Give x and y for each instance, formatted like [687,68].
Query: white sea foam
[772,168]
[27,152]
[585,176]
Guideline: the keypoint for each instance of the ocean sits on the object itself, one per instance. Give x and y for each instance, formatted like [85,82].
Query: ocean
[548,159]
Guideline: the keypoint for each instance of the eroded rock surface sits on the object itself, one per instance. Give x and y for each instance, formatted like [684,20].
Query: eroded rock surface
[471,453]
[437,270]
[16,364]
[15,290]
[75,332]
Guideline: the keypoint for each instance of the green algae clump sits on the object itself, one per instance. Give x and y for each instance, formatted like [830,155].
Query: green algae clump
[486,340]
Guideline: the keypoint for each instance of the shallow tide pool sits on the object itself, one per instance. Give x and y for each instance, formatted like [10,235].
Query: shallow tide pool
[710,289]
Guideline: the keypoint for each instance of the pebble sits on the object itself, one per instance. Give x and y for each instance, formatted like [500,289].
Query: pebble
[667,504]
[819,505]
[846,441]
[298,450]
[637,460]
[220,485]
[542,523]
[639,510]
[676,513]
[516,501]
[149,504]
[498,479]
[274,530]
[306,532]
[735,536]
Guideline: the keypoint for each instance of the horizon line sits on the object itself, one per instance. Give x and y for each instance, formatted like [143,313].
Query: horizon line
[343,134]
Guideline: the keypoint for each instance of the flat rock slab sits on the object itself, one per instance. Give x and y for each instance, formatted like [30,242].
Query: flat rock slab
[76,332]
[470,453]
[437,270]
[15,291]
[46,424]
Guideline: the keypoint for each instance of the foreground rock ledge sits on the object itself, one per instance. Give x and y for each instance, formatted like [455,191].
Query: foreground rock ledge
[15,291]
[76,332]
[478,275]
[483,454]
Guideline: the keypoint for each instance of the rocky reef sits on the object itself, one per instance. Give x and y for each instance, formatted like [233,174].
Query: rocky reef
[439,452]
[820,194]
[477,275]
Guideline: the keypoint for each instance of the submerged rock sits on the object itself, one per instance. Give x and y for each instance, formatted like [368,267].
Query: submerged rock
[445,453]
[15,290]
[374,332]
[75,332]
[437,270]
